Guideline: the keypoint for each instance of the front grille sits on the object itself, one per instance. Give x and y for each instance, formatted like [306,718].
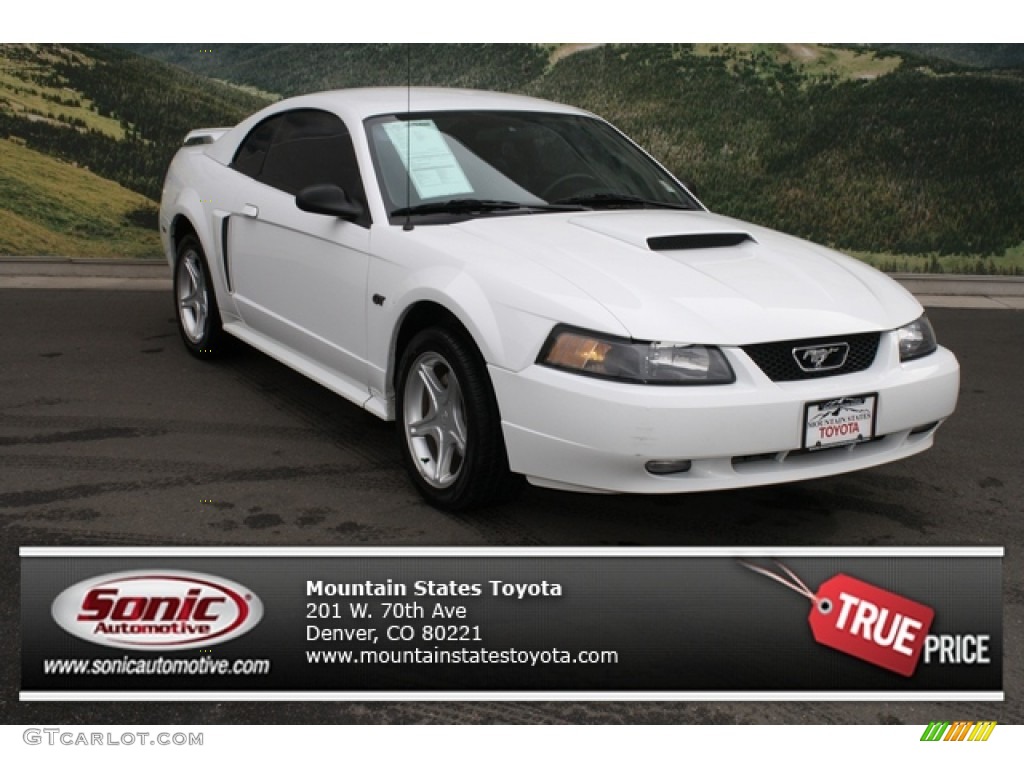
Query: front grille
[777,361]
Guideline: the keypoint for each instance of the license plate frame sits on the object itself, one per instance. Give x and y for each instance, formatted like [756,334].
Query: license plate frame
[839,421]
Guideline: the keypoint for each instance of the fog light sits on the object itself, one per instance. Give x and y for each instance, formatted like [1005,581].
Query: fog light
[669,467]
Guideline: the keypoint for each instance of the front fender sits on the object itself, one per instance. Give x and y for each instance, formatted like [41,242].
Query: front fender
[507,305]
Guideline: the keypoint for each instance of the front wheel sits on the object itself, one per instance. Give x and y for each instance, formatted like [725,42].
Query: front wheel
[196,302]
[449,430]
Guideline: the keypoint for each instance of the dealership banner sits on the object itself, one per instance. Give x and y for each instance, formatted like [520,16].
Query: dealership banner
[512,623]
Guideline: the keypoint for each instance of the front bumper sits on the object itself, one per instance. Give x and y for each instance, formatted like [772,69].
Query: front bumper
[584,434]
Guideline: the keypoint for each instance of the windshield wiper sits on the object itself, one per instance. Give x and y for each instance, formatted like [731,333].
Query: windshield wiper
[474,205]
[617,200]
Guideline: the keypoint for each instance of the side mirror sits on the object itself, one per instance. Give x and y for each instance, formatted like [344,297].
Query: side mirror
[329,200]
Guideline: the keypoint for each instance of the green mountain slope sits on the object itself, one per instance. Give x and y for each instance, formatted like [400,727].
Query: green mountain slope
[909,161]
[86,133]
[985,55]
[52,208]
[867,149]
[293,69]
[119,114]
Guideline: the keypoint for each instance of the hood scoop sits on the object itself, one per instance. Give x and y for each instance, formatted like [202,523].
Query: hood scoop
[698,240]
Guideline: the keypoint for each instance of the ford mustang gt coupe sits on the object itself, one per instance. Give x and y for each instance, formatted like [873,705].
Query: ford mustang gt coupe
[528,294]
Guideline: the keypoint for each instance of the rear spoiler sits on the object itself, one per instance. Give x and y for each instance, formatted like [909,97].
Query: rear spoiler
[204,136]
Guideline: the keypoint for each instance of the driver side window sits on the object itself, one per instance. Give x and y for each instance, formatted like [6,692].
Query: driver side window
[296,149]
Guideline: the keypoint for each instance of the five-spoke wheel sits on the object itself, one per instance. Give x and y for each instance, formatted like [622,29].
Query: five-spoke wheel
[435,419]
[195,301]
[449,428]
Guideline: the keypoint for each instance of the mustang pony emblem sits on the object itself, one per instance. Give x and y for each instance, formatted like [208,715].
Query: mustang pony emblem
[815,358]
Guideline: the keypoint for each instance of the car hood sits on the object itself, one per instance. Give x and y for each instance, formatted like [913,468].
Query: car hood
[693,276]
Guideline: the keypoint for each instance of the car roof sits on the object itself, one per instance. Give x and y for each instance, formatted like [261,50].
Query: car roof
[354,105]
[361,103]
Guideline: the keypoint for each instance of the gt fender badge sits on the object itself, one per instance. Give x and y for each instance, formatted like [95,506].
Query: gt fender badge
[157,610]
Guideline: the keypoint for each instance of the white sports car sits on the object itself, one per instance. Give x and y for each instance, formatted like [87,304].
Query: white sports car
[528,294]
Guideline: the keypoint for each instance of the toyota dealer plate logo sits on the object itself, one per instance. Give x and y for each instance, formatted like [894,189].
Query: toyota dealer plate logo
[157,610]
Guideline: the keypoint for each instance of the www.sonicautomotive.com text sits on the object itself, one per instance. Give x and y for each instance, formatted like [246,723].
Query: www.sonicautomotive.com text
[159,665]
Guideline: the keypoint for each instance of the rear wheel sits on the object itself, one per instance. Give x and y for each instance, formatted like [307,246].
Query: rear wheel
[196,302]
[449,430]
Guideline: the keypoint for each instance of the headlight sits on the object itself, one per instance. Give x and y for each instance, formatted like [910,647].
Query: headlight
[639,362]
[917,339]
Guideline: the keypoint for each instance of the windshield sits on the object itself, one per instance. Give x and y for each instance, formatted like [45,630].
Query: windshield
[473,162]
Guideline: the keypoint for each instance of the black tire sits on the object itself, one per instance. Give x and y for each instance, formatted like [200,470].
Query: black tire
[195,302]
[449,429]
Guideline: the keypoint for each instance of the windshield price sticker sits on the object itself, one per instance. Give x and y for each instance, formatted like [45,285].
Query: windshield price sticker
[840,421]
[432,167]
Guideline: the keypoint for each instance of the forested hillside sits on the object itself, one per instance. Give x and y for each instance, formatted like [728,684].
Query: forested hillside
[87,133]
[983,55]
[865,149]
[909,162]
[152,106]
[288,70]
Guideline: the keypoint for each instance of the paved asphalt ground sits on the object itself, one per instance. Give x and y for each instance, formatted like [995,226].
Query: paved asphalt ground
[110,434]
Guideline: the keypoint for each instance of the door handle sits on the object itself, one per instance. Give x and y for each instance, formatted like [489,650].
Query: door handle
[250,210]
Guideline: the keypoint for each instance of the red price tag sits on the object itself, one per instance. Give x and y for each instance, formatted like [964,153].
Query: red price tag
[870,623]
[863,620]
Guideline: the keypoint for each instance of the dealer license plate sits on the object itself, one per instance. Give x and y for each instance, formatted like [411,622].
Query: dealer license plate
[840,421]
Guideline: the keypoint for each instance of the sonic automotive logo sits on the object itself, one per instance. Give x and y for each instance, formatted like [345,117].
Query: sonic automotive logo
[157,610]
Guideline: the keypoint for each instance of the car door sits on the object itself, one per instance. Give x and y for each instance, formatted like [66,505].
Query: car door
[299,278]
